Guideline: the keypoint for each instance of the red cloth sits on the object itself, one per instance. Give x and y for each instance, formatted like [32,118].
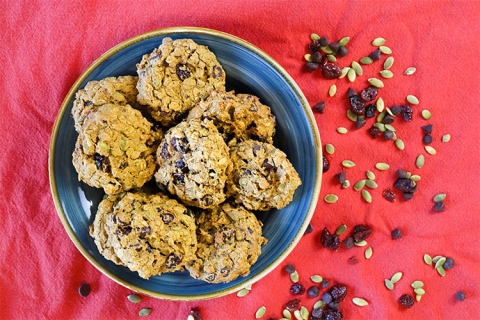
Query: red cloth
[46,45]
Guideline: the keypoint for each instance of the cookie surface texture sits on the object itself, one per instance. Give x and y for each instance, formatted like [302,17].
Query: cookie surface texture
[175,76]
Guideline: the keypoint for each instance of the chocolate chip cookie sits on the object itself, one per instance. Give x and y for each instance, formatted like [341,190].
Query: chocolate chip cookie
[229,242]
[238,117]
[261,177]
[175,76]
[193,161]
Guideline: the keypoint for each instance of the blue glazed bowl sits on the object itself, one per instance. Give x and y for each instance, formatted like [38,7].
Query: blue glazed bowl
[248,70]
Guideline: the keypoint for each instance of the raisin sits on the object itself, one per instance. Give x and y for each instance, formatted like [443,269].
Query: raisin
[427,139]
[172,260]
[84,289]
[255,149]
[396,233]
[370,110]
[407,113]
[357,105]
[369,93]
[341,177]
[405,185]
[331,71]
[375,55]
[330,314]
[439,206]
[338,292]
[326,164]
[342,52]
[312,66]
[102,163]
[374,132]
[313,291]
[297,288]
[353,260]
[144,231]
[292,305]
[180,164]
[183,71]
[335,46]
[349,242]
[361,232]
[328,240]
[448,264]
[389,194]
[406,301]
[125,231]
[179,144]
[319,107]
[314,46]
[267,165]
[290,268]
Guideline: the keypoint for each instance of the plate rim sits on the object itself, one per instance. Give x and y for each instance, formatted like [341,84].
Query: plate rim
[164,32]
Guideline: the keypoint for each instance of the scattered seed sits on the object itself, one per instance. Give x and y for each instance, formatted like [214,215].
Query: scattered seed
[436,258]
[308,57]
[346,184]
[243,292]
[426,114]
[378,42]
[446,138]
[387,74]
[388,63]
[399,144]
[297,315]
[144,312]
[366,60]
[441,271]
[368,253]
[294,276]
[326,49]
[389,284]
[427,259]
[342,130]
[385,50]
[415,177]
[357,67]
[348,163]
[380,126]
[344,72]
[380,104]
[367,196]
[360,302]
[320,107]
[430,150]
[460,295]
[389,127]
[440,262]
[359,185]
[362,243]
[84,289]
[376,82]
[396,277]
[314,37]
[331,58]
[331,198]
[370,175]
[417,284]
[352,116]
[351,75]
[304,312]
[249,287]
[287,314]
[380,117]
[382,166]
[439,197]
[319,304]
[329,148]
[412,99]
[260,312]
[332,90]
[341,229]
[418,297]
[134,298]
[419,291]
[420,161]
[371,184]
[409,71]
[316,278]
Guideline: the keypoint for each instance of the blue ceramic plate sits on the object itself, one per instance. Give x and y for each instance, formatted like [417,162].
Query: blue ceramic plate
[248,70]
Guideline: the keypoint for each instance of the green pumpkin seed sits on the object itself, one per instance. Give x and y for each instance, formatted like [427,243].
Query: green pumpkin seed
[308,57]
[380,117]
[242,293]
[249,287]
[409,71]
[348,163]
[376,82]
[417,284]
[436,258]
[430,150]
[420,161]
[368,253]
[304,313]
[389,284]
[331,58]
[351,75]
[366,196]
[144,312]
[389,111]
[360,302]
[370,175]
[362,243]
[190,317]
[344,72]
[427,259]
[409,174]
[314,37]
[415,177]
[412,99]
[104,147]
[446,138]
[380,104]
[352,116]
[396,277]
[319,304]
[419,291]
[441,271]
[287,314]
[378,42]
[297,315]
[332,90]
[388,63]
[134,298]
[341,229]
[260,312]
[331,198]
[359,185]
[294,276]
[343,42]
[316,278]
[418,297]
[385,50]
[440,262]
[326,49]
[387,74]
[399,144]
[380,126]
[346,184]
[382,166]
[342,130]
[357,67]
[329,148]
[371,184]
[439,197]
[426,114]
[366,60]
[389,127]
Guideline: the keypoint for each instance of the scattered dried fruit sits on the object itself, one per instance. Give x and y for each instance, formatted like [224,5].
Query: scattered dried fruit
[406,301]
[389,195]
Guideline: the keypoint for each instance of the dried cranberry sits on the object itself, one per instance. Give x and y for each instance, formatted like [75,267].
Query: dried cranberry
[369,93]
[406,301]
[328,240]
[375,55]
[330,314]
[292,305]
[357,105]
[312,66]
[313,291]
[370,110]
[374,132]
[389,194]
[361,232]
[297,288]
[349,242]
[319,107]
[331,71]
[439,206]
[405,185]
[396,233]
[342,52]
[407,113]
[290,268]
[326,164]
[338,292]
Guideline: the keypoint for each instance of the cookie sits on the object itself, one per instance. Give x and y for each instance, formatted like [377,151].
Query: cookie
[229,242]
[149,233]
[112,90]
[261,176]
[175,76]
[193,160]
[238,117]
[115,149]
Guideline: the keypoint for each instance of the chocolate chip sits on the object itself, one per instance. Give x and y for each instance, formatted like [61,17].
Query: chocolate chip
[217,72]
[84,289]
[428,128]
[319,107]
[167,217]
[207,200]
[172,260]
[342,52]
[396,234]
[144,232]
[102,163]
[255,149]
[164,153]
[183,71]
[375,55]
[181,165]
[267,165]
[178,178]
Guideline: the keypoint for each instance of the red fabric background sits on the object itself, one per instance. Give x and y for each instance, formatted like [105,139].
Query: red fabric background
[46,45]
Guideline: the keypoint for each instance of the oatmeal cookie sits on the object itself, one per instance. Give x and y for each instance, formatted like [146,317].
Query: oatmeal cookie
[193,159]
[115,149]
[149,233]
[261,177]
[238,117]
[121,90]
[229,242]
[175,76]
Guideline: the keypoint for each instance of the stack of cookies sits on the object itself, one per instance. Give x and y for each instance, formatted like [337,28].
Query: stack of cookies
[210,153]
